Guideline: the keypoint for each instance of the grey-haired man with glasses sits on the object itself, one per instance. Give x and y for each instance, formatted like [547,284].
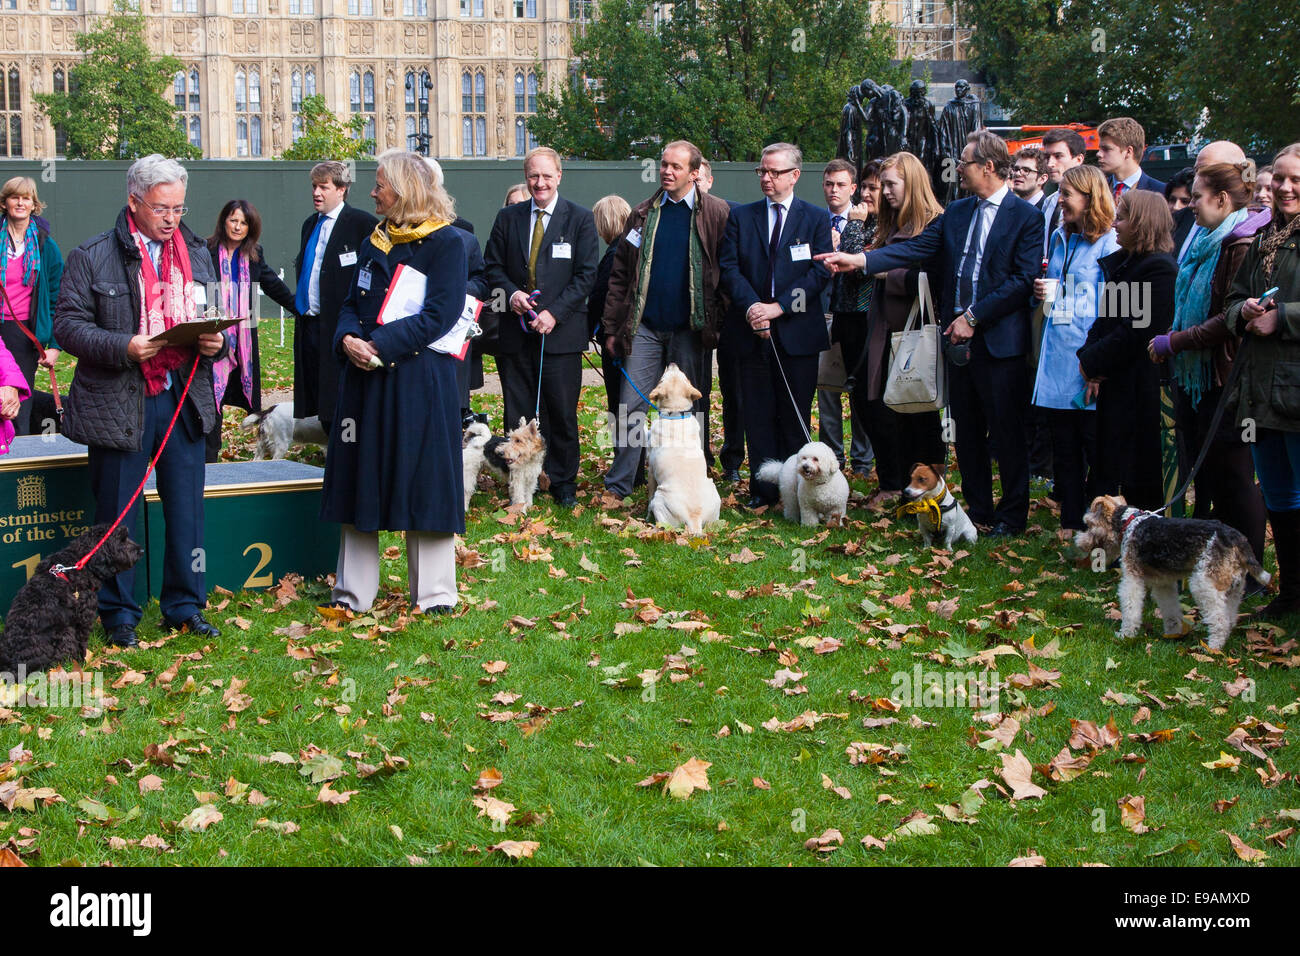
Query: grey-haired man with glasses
[120,290]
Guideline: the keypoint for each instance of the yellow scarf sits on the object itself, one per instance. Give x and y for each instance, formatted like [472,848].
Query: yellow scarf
[386,235]
[922,506]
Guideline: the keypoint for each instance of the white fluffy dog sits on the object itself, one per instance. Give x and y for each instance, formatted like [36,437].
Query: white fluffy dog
[813,489]
[277,429]
[677,479]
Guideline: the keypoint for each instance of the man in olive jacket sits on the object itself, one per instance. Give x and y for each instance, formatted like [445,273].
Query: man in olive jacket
[127,386]
[663,305]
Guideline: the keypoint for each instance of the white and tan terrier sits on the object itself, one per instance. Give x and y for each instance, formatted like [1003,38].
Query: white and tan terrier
[938,513]
[517,458]
[677,478]
[1157,553]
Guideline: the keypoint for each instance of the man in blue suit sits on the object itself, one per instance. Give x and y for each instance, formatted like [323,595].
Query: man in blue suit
[1122,142]
[775,327]
[984,253]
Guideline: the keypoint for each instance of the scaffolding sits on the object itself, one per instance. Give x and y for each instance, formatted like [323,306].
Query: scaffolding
[927,29]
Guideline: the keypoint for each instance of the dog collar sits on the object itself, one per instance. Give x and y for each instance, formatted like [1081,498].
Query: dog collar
[676,415]
[1134,517]
[58,571]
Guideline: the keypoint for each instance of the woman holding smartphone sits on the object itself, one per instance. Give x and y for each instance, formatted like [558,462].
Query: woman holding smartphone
[1268,391]
[1200,349]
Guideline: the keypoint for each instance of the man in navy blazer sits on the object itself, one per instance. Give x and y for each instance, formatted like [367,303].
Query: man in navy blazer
[983,253]
[775,327]
[327,258]
[547,244]
[1121,145]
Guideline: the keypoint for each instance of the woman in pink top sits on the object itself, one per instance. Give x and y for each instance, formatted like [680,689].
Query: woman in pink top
[31,270]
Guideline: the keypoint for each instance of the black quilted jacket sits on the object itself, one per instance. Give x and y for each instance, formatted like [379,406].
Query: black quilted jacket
[97,314]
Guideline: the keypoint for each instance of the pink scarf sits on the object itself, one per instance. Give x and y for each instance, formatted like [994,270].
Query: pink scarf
[163,302]
[236,301]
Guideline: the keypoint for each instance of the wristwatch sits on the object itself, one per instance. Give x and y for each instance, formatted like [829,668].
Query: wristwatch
[969,316]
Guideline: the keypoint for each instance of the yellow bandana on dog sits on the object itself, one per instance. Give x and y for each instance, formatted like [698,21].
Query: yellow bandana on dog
[920,507]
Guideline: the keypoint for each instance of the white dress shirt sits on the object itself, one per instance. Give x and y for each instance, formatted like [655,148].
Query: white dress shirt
[988,209]
[547,212]
[771,215]
[322,240]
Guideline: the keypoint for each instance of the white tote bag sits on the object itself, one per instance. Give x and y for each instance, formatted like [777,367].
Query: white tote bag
[918,377]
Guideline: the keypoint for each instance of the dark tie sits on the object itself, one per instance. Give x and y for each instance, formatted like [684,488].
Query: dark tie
[837,223]
[535,250]
[966,284]
[301,300]
[773,247]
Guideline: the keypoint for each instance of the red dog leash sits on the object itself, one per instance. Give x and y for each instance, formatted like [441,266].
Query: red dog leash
[60,570]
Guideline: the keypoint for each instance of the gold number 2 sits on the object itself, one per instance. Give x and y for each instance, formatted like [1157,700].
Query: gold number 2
[256,580]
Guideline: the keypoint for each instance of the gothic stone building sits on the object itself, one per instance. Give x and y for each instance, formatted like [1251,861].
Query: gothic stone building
[463,73]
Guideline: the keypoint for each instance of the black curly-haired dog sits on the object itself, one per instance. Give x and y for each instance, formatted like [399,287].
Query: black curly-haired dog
[50,618]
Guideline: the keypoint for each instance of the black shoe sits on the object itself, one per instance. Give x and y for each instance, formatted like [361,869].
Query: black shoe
[756,502]
[122,636]
[1003,530]
[196,623]
[567,500]
[435,609]
[731,474]
[336,605]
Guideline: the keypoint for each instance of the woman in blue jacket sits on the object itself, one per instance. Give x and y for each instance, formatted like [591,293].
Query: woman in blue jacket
[1084,237]
[394,458]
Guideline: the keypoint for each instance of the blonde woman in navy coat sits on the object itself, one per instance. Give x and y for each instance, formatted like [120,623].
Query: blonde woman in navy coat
[393,462]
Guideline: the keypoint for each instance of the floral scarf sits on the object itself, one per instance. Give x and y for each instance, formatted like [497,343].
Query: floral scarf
[163,302]
[236,302]
[31,251]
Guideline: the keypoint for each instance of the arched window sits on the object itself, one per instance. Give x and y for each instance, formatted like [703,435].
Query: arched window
[410,91]
[467,137]
[466,93]
[248,109]
[310,81]
[178,89]
[473,101]
[532,92]
[11,115]
[520,137]
[60,134]
[519,92]
[255,136]
[480,93]
[354,90]
[368,87]
[295,90]
[254,90]
[194,89]
[241,91]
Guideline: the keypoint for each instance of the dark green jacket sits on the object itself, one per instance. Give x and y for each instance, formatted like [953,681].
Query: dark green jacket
[1268,391]
[48,279]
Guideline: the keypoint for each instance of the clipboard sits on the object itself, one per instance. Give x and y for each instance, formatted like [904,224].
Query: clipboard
[187,333]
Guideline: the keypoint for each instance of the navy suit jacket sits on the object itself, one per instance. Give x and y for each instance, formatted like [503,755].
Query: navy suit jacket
[564,283]
[1144,182]
[1013,258]
[801,329]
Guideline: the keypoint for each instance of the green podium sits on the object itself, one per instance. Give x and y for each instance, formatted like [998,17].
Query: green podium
[260,518]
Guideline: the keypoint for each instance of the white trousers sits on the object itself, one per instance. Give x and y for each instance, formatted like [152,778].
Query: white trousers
[430,569]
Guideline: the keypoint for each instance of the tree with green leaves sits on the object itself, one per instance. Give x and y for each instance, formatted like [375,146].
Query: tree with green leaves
[1163,62]
[114,107]
[324,136]
[728,75]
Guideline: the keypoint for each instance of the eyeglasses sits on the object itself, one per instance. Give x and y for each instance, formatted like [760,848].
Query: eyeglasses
[1025,170]
[761,171]
[163,211]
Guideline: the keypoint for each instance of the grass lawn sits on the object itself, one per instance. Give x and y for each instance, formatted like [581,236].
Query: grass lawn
[593,654]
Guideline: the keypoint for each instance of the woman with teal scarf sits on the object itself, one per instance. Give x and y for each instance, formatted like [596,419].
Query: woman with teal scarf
[31,267]
[1201,349]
